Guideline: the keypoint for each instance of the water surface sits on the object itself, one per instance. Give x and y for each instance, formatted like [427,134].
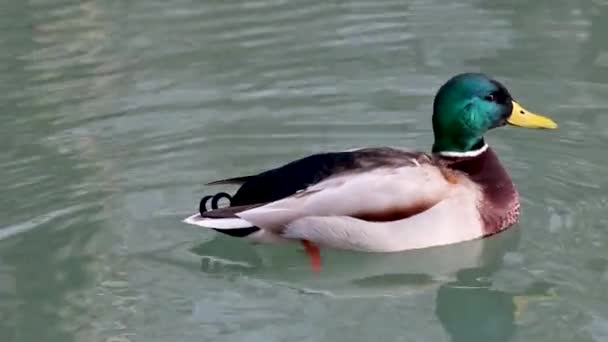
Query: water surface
[114,115]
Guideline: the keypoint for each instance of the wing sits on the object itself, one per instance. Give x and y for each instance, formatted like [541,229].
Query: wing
[381,194]
[284,181]
[385,209]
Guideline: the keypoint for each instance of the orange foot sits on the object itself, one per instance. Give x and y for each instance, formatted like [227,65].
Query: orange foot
[314,255]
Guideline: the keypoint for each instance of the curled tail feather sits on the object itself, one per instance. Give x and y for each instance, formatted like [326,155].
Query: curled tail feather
[215,199]
[223,219]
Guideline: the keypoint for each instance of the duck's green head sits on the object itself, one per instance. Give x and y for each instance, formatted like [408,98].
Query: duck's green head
[468,105]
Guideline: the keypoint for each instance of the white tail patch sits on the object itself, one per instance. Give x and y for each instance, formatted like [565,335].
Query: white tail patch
[218,223]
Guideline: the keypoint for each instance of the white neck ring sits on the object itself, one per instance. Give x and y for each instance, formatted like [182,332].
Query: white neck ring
[466,154]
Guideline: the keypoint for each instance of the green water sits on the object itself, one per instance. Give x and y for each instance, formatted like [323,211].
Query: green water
[114,115]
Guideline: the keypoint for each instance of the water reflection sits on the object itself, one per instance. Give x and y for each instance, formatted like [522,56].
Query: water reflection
[368,274]
[468,305]
[377,273]
[469,309]
[473,308]
[463,306]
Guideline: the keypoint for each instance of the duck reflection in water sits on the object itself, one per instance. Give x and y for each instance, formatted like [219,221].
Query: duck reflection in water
[468,306]
[469,309]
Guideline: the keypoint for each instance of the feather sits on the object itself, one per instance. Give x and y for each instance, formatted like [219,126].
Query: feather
[229,212]
[218,223]
[235,180]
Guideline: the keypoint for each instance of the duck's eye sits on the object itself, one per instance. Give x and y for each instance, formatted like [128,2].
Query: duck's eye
[489,98]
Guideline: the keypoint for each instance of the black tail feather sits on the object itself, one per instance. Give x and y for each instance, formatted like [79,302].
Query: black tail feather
[214,205]
[235,180]
[215,199]
[241,232]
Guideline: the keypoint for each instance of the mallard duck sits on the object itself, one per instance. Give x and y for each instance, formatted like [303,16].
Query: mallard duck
[387,199]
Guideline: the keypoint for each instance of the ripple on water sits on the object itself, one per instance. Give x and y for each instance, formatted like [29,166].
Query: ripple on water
[36,222]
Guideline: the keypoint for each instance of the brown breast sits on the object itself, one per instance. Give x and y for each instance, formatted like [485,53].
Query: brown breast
[499,207]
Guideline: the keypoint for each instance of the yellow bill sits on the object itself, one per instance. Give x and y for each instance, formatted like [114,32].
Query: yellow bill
[522,118]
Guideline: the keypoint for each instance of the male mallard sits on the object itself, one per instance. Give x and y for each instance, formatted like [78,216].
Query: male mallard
[384,199]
